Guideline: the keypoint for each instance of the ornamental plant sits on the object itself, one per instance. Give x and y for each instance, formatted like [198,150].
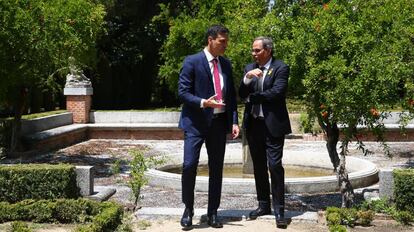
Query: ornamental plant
[138,166]
[355,60]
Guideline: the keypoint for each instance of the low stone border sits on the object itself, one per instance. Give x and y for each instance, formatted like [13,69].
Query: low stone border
[200,214]
[362,173]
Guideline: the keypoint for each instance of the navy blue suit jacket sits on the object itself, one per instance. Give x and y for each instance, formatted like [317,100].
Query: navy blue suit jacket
[272,98]
[196,83]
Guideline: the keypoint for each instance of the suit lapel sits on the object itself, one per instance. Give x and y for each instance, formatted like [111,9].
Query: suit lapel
[223,72]
[270,75]
[206,67]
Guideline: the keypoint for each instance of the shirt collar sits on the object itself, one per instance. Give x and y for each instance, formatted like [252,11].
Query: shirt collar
[267,65]
[208,55]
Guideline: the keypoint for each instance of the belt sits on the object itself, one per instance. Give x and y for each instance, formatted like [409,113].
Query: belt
[219,115]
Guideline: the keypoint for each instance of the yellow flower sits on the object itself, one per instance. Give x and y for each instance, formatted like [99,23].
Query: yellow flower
[270,71]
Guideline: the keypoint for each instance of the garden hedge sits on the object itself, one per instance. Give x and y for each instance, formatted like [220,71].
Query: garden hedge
[404,189]
[37,181]
[96,216]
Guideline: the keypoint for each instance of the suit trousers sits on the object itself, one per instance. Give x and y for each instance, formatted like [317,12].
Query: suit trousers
[267,153]
[215,140]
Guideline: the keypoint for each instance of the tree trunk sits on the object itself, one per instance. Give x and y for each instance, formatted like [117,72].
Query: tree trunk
[332,134]
[19,106]
[345,186]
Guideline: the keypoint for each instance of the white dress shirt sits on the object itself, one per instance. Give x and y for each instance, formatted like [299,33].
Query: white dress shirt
[247,81]
[210,62]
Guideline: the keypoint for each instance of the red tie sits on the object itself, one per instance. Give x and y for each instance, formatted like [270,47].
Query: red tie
[217,84]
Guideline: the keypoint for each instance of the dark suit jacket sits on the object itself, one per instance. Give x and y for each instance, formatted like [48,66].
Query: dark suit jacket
[196,83]
[273,98]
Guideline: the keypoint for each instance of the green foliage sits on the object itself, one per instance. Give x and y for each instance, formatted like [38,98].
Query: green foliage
[333,218]
[126,225]
[116,166]
[337,228]
[404,189]
[38,37]
[387,207]
[43,114]
[244,18]
[107,220]
[307,123]
[143,224]
[104,216]
[352,57]
[19,226]
[365,217]
[404,217]
[348,216]
[37,181]
[138,166]
[378,206]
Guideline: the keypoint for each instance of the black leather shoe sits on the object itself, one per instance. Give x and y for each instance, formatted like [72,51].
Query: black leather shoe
[187,219]
[214,222]
[281,221]
[259,212]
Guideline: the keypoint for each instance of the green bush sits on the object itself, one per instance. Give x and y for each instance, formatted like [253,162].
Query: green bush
[333,218]
[104,216]
[404,217]
[349,217]
[404,189]
[365,217]
[19,226]
[37,181]
[306,123]
[107,220]
[337,228]
[378,206]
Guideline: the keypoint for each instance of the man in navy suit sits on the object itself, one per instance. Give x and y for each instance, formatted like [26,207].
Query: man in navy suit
[209,112]
[266,121]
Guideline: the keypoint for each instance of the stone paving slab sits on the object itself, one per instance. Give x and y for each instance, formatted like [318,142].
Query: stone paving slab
[200,214]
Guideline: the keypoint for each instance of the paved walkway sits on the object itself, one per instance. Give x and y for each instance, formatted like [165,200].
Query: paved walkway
[163,207]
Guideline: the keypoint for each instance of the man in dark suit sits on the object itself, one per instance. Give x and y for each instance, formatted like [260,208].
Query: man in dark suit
[209,112]
[266,121]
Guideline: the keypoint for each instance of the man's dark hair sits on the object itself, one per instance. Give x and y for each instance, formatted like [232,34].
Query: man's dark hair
[214,30]
[267,43]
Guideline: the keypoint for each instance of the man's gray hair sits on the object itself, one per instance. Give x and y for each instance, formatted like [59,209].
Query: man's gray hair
[267,42]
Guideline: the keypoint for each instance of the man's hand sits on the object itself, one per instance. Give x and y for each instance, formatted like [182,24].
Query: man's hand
[235,131]
[212,103]
[254,73]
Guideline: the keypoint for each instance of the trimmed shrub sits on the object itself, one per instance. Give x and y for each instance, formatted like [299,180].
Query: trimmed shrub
[337,228]
[378,206]
[108,220]
[37,181]
[403,217]
[348,217]
[19,226]
[104,216]
[404,189]
[333,218]
[365,217]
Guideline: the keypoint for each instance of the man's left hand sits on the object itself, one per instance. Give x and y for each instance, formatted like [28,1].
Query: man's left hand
[235,131]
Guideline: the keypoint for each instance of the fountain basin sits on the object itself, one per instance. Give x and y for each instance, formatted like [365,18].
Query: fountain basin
[362,173]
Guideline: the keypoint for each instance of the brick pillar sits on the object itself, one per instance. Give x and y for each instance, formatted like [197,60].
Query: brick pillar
[80,107]
[78,101]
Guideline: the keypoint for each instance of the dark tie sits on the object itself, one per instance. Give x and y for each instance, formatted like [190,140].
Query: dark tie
[217,84]
[258,88]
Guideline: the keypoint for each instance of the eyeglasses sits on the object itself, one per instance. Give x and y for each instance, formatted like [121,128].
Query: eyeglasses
[256,51]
